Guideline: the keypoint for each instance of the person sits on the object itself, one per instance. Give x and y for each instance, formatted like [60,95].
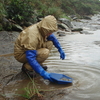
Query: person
[34,44]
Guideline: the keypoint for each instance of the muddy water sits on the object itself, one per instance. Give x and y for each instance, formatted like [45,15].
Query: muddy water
[82,63]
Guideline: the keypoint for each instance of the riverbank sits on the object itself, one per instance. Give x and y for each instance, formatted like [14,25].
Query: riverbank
[12,79]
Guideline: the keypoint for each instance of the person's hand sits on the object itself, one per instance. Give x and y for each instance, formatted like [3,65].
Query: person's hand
[46,75]
[62,54]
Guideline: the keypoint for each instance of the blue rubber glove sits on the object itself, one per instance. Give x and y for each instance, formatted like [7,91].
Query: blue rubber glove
[62,54]
[57,45]
[31,57]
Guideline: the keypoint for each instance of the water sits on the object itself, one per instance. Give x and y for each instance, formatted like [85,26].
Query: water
[82,63]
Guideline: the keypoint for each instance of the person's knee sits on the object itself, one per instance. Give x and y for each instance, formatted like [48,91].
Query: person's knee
[42,54]
[46,52]
[21,58]
[50,42]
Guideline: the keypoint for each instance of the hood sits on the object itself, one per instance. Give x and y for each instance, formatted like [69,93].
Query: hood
[47,25]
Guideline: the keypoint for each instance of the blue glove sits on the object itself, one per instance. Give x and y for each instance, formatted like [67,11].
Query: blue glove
[62,54]
[31,57]
[57,45]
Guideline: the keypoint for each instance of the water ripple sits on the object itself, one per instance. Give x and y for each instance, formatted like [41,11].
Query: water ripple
[82,64]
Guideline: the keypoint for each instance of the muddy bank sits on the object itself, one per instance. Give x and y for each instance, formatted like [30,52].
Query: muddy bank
[9,67]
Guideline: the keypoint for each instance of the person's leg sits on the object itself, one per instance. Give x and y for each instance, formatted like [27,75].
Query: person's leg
[26,68]
[42,55]
[48,45]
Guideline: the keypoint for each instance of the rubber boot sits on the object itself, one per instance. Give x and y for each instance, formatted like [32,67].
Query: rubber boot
[45,68]
[31,74]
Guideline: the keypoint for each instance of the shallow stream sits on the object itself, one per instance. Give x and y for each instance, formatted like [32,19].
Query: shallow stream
[82,63]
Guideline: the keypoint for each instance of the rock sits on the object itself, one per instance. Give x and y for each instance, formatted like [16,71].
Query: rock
[86,17]
[97,43]
[1,27]
[63,33]
[63,26]
[8,64]
[66,22]
[85,32]
[74,17]
[98,20]
[6,24]
[27,24]
[77,29]
[16,27]
[60,26]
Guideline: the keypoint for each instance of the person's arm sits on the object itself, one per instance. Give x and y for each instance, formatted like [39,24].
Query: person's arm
[57,45]
[31,57]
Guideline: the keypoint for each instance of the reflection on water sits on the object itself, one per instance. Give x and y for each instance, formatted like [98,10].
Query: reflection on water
[82,63]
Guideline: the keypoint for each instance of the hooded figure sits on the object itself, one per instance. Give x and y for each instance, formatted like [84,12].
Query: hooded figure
[33,46]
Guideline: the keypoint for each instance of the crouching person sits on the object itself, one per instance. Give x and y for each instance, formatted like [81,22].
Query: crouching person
[33,46]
